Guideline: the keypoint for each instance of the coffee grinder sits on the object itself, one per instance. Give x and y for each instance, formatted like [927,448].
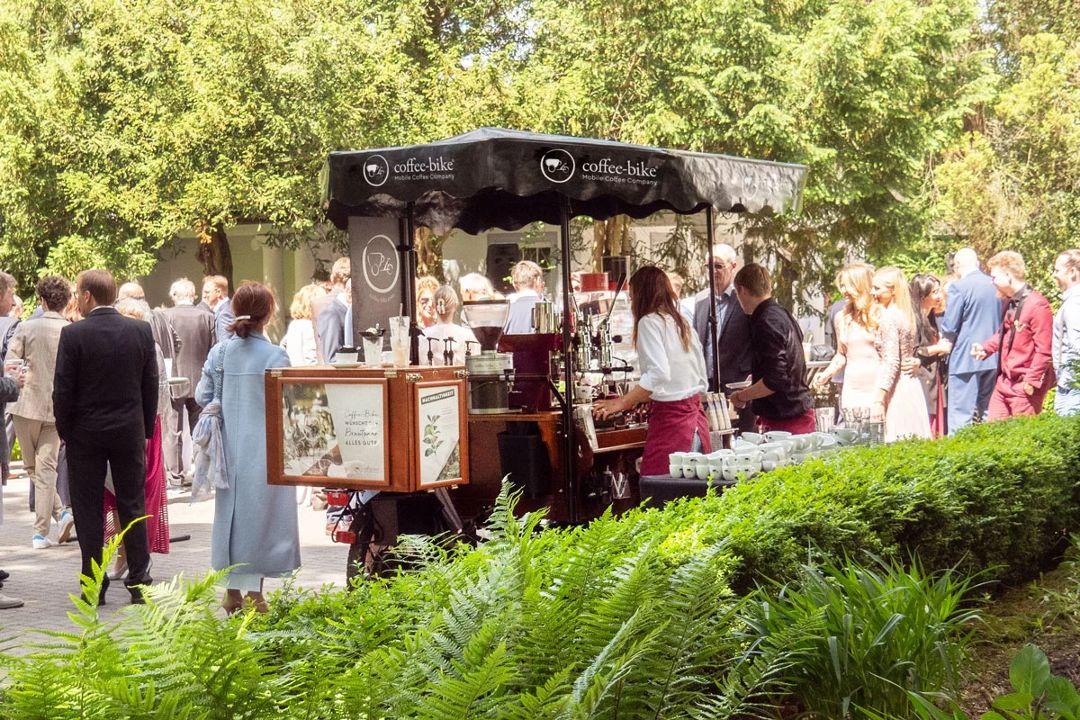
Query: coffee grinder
[490,372]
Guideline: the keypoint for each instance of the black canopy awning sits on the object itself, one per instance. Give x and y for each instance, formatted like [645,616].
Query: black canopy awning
[492,177]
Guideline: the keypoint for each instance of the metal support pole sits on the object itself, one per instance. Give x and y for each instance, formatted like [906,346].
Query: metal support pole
[408,284]
[569,449]
[715,385]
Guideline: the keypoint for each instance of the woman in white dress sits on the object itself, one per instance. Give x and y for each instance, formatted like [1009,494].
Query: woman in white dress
[900,397]
[299,340]
[445,302]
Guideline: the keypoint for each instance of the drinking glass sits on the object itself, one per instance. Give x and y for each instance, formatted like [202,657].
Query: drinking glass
[399,340]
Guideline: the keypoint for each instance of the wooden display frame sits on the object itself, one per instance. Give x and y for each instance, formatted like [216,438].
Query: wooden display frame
[463,438]
[399,425]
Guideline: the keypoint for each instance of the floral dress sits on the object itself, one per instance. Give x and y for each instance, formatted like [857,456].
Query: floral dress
[906,412]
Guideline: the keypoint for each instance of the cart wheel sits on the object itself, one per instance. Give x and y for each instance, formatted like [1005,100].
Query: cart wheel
[355,563]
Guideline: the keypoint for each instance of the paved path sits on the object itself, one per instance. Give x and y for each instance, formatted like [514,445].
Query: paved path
[45,578]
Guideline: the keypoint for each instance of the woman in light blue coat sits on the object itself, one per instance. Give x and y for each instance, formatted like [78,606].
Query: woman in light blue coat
[255,524]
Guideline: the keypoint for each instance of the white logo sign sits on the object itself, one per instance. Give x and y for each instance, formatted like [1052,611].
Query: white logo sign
[380,263]
[557,166]
[376,170]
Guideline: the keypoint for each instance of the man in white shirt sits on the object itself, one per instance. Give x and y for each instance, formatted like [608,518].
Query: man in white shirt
[528,280]
[1066,347]
[732,330]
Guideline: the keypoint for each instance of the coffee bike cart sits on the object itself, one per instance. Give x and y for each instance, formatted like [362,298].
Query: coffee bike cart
[369,428]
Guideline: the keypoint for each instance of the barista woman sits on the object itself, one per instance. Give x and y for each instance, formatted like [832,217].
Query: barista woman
[672,373]
[446,305]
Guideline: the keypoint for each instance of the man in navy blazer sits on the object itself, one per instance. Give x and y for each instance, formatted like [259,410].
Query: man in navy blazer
[215,294]
[105,395]
[330,325]
[972,314]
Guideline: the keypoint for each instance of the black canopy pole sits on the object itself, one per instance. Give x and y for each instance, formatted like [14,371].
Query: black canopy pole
[408,283]
[712,298]
[570,463]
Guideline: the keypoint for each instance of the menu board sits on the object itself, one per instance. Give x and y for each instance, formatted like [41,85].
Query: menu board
[335,430]
[439,429]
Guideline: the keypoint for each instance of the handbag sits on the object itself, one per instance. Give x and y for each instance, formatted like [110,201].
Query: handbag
[210,471]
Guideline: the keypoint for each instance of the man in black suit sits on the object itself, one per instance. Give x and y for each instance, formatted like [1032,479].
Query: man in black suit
[194,324]
[105,394]
[732,331]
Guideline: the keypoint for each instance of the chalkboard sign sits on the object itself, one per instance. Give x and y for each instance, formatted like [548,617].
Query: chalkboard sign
[376,272]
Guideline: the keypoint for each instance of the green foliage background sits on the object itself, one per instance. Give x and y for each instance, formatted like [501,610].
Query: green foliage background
[127,122]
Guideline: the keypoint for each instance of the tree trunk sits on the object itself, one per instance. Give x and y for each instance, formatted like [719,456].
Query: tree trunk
[214,252]
[429,252]
[610,237]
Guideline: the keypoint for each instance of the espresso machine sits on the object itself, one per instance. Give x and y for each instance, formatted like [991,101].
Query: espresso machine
[490,371]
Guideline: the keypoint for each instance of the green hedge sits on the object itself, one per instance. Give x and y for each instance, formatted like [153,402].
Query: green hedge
[997,495]
[631,617]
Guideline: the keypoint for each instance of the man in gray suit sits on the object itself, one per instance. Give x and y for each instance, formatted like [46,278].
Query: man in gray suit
[195,327]
[732,331]
[164,335]
[215,293]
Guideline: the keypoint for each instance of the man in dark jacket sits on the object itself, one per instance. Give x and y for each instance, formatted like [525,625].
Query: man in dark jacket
[780,396]
[9,392]
[105,395]
[732,331]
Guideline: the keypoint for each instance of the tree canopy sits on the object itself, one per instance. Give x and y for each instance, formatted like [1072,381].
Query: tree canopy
[130,122]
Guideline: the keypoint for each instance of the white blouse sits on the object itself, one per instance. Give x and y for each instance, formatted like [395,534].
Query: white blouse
[668,371]
[440,331]
[299,343]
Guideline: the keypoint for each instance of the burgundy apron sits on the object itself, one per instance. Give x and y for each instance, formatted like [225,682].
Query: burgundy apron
[671,429]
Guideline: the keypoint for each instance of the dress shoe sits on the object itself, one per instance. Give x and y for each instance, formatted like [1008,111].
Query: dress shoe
[101,595]
[134,585]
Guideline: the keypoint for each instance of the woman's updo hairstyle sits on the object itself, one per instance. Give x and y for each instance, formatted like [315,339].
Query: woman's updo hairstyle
[446,303]
[252,305]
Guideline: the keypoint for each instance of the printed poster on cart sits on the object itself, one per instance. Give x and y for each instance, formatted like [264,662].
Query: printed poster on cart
[335,430]
[439,419]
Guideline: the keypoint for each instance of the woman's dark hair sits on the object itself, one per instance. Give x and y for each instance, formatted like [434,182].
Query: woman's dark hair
[921,287]
[651,292]
[252,305]
[54,291]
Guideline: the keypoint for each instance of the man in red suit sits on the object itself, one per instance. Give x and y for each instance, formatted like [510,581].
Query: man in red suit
[1023,343]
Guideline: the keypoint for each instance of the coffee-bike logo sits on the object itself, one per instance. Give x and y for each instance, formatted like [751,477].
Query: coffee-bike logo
[557,165]
[380,263]
[376,170]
